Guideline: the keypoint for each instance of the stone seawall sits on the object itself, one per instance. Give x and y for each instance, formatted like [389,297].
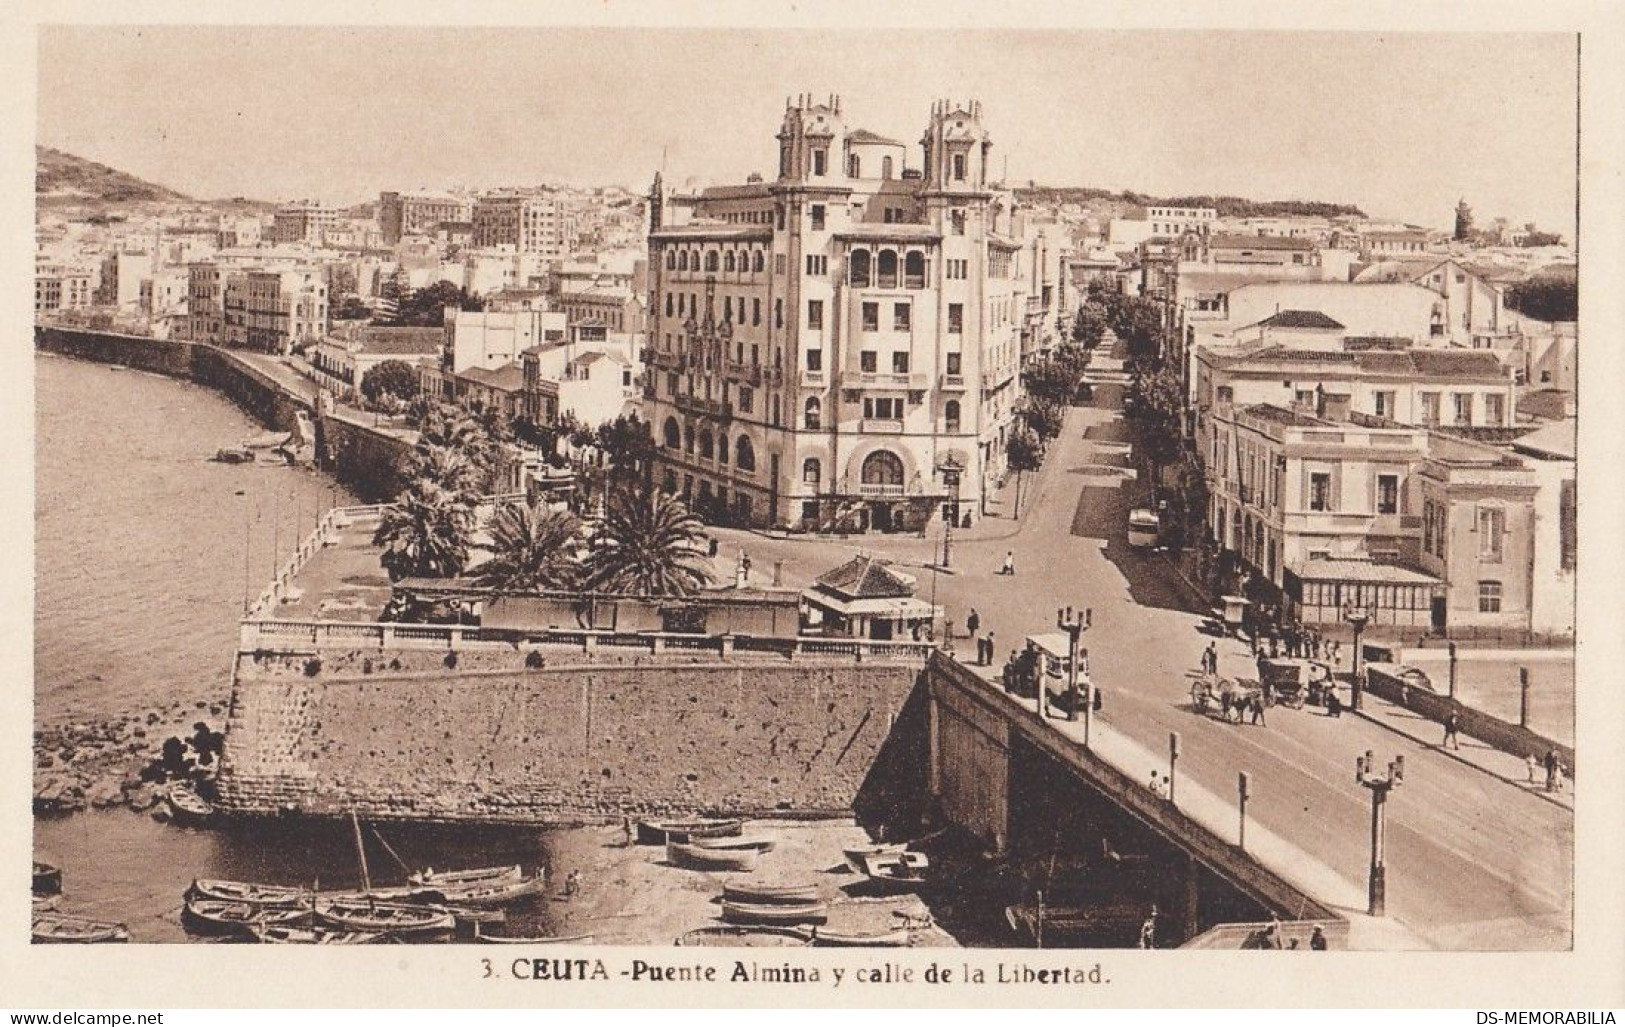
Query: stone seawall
[367,461]
[160,356]
[564,744]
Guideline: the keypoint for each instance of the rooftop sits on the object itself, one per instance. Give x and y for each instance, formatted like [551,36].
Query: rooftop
[1301,319]
[1362,570]
[405,341]
[863,135]
[1229,241]
[1282,415]
[864,577]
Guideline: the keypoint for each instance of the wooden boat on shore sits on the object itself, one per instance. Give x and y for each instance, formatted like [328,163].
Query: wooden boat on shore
[770,893]
[267,895]
[730,936]
[352,914]
[46,903]
[47,879]
[695,858]
[759,842]
[896,874]
[61,929]
[213,916]
[551,939]
[484,893]
[775,913]
[855,856]
[467,878]
[186,806]
[896,938]
[658,832]
[399,894]
[283,934]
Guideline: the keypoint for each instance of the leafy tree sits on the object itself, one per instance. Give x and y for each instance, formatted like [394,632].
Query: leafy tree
[1045,417]
[1537,238]
[1464,222]
[394,378]
[1089,325]
[1138,322]
[426,307]
[629,443]
[649,544]
[532,549]
[426,533]
[1546,298]
[351,308]
[1024,451]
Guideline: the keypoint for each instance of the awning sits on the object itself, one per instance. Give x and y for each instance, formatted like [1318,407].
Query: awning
[896,609]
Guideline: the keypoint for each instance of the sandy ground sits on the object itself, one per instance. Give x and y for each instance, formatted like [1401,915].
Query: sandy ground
[630,895]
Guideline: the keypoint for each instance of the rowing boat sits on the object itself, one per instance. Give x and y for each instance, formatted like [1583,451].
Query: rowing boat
[186,805]
[894,939]
[269,895]
[657,832]
[350,914]
[288,935]
[770,893]
[696,858]
[856,856]
[551,939]
[759,842]
[47,879]
[729,936]
[59,929]
[212,916]
[774,912]
[46,903]
[486,893]
[896,874]
[467,878]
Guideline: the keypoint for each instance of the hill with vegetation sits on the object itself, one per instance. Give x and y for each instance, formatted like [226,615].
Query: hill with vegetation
[1118,203]
[62,178]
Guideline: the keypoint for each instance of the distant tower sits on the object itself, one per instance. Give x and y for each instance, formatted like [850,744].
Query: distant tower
[957,148]
[657,202]
[807,140]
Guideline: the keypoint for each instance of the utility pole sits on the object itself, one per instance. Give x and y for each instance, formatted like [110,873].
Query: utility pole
[1379,787]
[1173,762]
[1244,791]
[1357,619]
[1074,623]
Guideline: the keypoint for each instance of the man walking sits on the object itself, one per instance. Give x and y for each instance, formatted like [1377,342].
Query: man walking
[1452,724]
[1009,562]
[990,649]
[1258,711]
[973,620]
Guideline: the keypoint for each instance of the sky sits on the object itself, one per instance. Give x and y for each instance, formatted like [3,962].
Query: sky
[1402,125]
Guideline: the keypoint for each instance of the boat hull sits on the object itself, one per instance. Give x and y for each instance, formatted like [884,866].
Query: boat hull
[695,858]
[780,914]
[57,929]
[759,842]
[270,896]
[761,936]
[468,878]
[47,879]
[213,917]
[894,939]
[486,895]
[384,918]
[658,832]
[771,894]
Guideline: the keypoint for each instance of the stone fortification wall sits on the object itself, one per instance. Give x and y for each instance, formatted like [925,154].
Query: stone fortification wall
[160,356]
[368,461]
[564,743]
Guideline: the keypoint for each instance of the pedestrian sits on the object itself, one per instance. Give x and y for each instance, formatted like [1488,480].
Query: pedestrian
[990,649]
[973,620]
[1148,930]
[626,832]
[1530,764]
[1009,562]
[1272,935]
[1317,940]
[572,884]
[1334,704]
[1551,768]
[1452,724]
[1155,784]
[1257,705]
[1557,777]
[744,563]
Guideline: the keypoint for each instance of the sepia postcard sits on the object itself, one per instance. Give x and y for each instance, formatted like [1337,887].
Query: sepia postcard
[758,506]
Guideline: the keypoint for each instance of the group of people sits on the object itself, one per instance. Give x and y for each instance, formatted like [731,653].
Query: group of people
[1270,936]
[984,643]
[1555,771]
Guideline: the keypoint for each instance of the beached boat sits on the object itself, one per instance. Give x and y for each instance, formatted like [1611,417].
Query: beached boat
[269,895]
[696,858]
[46,903]
[186,806]
[896,874]
[771,893]
[658,832]
[60,929]
[47,879]
[780,913]
[213,916]
[855,856]
[234,455]
[283,934]
[759,842]
[551,939]
[823,937]
[387,918]
[467,878]
[726,936]
[400,893]
[488,893]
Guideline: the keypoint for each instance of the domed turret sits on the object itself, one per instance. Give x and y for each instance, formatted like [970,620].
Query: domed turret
[957,148]
[807,140]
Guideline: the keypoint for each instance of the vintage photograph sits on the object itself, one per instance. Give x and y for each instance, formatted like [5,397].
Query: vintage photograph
[978,488]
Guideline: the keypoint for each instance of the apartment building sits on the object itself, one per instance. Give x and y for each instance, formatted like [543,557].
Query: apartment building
[840,347]
[274,310]
[304,222]
[525,222]
[419,213]
[61,287]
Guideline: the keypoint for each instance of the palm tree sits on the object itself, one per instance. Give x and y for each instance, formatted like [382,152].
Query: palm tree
[649,544]
[427,533]
[532,548]
[445,467]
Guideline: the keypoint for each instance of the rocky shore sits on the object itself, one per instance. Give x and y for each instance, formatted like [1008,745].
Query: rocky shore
[113,761]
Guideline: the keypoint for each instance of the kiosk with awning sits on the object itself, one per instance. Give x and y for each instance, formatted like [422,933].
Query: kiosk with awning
[866,598]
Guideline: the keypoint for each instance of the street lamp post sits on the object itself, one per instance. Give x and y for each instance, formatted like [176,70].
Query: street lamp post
[1074,623]
[1380,787]
[1357,620]
[950,469]
[1173,762]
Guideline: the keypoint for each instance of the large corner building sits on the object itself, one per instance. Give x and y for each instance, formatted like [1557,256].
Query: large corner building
[838,349]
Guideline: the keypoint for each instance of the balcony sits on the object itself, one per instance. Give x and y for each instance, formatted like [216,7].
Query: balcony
[879,426]
[663,361]
[874,489]
[882,380]
[952,383]
[700,406]
[812,380]
[751,374]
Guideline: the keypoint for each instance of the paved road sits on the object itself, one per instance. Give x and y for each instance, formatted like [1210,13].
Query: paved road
[1473,862]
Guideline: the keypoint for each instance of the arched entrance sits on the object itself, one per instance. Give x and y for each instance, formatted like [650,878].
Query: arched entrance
[882,476]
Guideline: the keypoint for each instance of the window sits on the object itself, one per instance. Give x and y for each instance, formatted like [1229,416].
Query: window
[672,436]
[779,263]
[820,164]
[959,167]
[711,261]
[868,361]
[778,313]
[956,318]
[1492,522]
[728,262]
[671,260]
[1388,493]
[956,269]
[1494,409]
[744,455]
[1430,409]
[853,166]
[955,361]
[668,304]
[815,360]
[817,212]
[900,319]
[1489,597]
[811,471]
[810,417]
[1385,405]
[871,317]
[882,408]
[886,270]
[885,167]
[914,271]
[817,265]
[956,222]
[746,399]
[857,266]
[756,262]
[815,314]
[1463,404]
[950,416]
[707,444]
[756,311]
[899,363]
[1320,491]
[1304,397]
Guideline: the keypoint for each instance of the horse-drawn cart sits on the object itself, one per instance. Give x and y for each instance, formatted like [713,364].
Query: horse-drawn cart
[1292,682]
[1226,695]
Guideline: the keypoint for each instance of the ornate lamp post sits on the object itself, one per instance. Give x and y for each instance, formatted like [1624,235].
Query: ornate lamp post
[950,469]
[1075,623]
[1357,620]
[1380,787]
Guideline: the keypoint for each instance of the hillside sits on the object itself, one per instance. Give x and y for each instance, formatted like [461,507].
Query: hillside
[63,179]
[1113,204]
